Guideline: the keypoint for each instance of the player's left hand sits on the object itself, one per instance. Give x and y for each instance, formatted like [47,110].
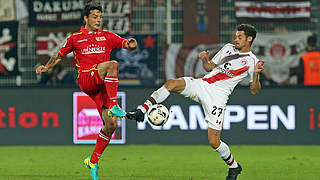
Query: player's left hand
[131,44]
[259,66]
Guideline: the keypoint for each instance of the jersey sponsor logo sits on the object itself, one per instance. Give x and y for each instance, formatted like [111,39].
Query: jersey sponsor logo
[93,49]
[224,71]
[100,38]
[82,40]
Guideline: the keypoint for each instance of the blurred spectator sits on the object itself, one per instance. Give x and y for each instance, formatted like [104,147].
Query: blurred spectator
[309,66]
[57,76]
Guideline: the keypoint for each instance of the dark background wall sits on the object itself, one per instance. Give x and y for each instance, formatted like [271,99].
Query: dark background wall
[43,116]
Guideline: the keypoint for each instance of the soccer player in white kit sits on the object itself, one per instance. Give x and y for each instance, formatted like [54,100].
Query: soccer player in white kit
[226,69]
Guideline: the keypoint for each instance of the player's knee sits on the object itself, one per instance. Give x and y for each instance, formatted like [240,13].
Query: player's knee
[114,65]
[170,84]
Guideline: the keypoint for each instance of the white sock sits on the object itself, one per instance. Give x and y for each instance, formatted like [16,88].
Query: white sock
[159,96]
[226,155]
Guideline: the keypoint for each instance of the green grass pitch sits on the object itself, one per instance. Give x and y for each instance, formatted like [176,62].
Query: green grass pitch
[158,162]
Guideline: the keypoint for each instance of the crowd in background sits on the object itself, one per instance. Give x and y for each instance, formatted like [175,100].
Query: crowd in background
[150,17]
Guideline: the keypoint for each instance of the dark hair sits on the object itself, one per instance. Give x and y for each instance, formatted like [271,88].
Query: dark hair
[249,30]
[312,40]
[91,5]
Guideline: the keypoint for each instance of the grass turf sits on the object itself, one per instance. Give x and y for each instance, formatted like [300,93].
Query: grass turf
[158,162]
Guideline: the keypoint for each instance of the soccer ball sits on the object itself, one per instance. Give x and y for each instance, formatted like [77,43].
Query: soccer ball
[158,115]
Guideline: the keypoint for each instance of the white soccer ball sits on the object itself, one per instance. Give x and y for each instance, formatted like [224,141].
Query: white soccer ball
[158,115]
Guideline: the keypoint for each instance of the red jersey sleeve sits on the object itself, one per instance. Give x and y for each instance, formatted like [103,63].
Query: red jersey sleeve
[67,47]
[117,41]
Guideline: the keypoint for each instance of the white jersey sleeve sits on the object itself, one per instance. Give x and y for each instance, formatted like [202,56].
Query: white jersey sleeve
[222,53]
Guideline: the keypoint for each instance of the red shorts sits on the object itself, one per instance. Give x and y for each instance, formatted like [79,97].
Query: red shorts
[90,82]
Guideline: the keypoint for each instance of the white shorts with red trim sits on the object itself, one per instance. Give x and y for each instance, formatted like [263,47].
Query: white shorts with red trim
[212,99]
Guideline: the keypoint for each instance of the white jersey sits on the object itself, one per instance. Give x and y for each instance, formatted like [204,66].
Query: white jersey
[232,67]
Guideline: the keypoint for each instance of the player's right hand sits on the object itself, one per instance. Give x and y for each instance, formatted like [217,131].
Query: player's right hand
[204,55]
[41,69]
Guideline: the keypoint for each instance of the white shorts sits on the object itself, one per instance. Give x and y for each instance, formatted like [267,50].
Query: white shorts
[213,101]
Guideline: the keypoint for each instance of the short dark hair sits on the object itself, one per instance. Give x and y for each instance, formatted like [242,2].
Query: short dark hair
[249,30]
[312,40]
[91,5]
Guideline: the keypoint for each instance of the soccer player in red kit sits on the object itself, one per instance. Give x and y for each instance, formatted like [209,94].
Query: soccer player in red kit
[97,75]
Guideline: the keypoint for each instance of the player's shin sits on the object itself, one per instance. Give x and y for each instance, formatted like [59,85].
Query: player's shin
[102,142]
[156,97]
[111,83]
[226,155]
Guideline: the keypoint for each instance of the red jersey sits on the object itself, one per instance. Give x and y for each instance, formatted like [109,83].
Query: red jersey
[91,48]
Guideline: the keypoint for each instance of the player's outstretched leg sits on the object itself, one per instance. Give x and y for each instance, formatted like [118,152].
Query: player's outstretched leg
[157,96]
[234,172]
[92,167]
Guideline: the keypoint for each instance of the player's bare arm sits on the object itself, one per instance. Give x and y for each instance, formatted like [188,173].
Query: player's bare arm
[131,44]
[206,63]
[255,86]
[55,59]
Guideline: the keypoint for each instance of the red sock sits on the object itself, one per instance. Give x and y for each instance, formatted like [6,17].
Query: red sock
[102,142]
[111,83]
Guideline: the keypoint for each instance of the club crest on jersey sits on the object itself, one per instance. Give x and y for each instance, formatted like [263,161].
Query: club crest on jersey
[100,38]
[227,66]
[244,62]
